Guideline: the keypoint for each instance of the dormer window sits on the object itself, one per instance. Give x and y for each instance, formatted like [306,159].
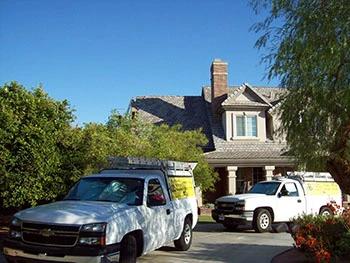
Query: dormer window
[246,126]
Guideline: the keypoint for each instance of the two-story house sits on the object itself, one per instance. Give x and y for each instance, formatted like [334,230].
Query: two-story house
[240,122]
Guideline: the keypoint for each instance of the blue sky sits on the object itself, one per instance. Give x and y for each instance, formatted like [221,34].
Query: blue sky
[100,54]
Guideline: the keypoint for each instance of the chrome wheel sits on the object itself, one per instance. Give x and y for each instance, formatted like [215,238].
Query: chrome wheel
[185,240]
[187,234]
[264,221]
[326,213]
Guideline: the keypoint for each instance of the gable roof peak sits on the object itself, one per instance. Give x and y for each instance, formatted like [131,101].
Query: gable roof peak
[258,94]
[232,99]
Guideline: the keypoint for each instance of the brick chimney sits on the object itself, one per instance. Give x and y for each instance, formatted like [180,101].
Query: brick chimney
[219,86]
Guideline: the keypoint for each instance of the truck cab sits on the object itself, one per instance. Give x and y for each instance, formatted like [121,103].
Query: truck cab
[119,214]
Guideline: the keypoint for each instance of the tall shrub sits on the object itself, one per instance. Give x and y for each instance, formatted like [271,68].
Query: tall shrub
[42,154]
[31,127]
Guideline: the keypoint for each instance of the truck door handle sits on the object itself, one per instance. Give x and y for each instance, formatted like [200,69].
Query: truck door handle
[168,211]
[299,201]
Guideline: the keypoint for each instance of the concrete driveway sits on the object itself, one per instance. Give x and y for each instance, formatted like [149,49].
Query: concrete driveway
[212,243]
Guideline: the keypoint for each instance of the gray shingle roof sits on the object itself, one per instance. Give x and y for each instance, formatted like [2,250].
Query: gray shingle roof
[188,111]
[248,150]
[194,112]
[272,94]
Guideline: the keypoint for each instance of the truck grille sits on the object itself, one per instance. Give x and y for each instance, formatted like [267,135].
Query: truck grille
[226,206]
[230,208]
[50,234]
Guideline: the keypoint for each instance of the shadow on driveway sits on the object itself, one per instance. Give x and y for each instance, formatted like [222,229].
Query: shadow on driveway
[218,252]
[212,243]
[216,227]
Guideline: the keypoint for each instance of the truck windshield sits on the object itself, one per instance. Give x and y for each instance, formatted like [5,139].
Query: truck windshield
[120,190]
[268,188]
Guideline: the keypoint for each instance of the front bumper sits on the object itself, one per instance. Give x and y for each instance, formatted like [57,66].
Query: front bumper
[244,218]
[17,251]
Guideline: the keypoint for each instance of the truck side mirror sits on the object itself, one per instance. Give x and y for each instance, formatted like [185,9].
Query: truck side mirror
[279,195]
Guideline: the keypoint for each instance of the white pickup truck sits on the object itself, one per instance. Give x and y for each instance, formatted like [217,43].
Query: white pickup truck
[278,200]
[129,210]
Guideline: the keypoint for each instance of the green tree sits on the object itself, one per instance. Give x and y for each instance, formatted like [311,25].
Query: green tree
[134,137]
[42,154]
[307,47]
[31,127]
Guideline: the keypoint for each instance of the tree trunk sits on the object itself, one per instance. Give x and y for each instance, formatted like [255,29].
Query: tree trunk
[338,164]
[340,172]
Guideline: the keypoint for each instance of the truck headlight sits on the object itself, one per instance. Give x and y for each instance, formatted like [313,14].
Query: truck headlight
[96,227]
[93,234]
[240,205]
[15,234]
[92,241]
[242,202]
[15,228]
[16,222]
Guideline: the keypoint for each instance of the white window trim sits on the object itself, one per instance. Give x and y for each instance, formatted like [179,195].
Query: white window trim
[234,126]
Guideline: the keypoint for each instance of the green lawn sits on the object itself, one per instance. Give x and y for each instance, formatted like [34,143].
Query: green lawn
[205,219]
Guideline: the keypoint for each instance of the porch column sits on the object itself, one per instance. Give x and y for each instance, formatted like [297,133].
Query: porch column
[231,179]
[269,172]
[199,198]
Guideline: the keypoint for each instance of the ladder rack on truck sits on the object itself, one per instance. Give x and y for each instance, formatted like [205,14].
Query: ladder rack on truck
[311,176]
[150,163]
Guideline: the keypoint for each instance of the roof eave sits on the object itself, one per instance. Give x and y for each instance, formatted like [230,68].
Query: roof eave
[221,162]
[245,107]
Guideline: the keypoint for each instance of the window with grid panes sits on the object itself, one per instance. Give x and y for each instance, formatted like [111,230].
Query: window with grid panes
[246,126]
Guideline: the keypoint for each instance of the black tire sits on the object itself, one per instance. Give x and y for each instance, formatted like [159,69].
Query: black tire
[230,226]
[185,240]
[262,221]
[326,211]
[128,250]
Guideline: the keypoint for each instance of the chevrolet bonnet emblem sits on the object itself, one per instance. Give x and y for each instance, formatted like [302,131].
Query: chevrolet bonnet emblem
[47,232]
